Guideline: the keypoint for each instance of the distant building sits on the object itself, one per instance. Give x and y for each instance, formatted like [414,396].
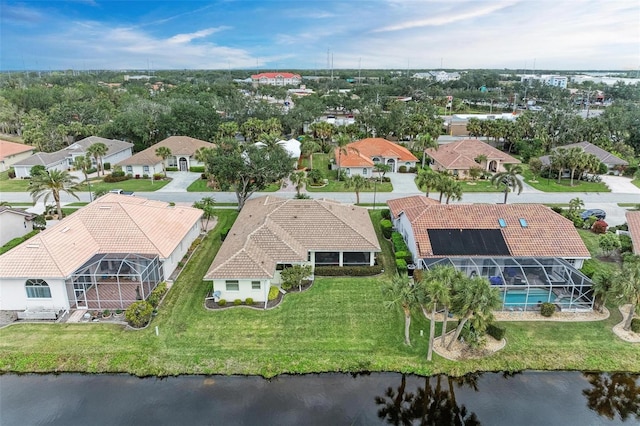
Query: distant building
[14,223]
[276,79]
[439,76]
[11,153]
[548,80]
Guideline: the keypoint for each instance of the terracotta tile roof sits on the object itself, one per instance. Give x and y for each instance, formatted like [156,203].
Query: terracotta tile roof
[112,224]
[411,206]
[633,220]
[272,230]
[8,149]
[360,153]
[461,154]
[604,156]
[353,158]
[275,75]
[179,145]
[547,233]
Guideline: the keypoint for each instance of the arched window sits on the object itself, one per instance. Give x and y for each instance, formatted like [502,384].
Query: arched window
[38,289]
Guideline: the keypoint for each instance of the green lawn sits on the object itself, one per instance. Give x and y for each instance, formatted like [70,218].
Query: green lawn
[200,185]
[552,185]
[12,185]
[636,182]
[340,324]
[135,185]
[335,186]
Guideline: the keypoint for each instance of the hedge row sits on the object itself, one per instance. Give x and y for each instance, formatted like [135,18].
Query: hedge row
[398,242]
[352,271]
[387,228]
[496,332]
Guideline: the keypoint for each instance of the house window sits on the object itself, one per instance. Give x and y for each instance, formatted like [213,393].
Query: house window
[348,172]
[283,266]
[356,258]
[255,285]
[364,172]
[145,169]
[37,289]
[232,285]
[129,169]
[327,258]
[172,162]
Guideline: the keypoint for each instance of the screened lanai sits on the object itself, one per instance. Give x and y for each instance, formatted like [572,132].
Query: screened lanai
[526,282]
[114,280]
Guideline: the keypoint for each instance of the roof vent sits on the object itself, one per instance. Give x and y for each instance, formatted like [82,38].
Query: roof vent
[105,207]
[523,223]
[65,229]
[32,245]
[502,222]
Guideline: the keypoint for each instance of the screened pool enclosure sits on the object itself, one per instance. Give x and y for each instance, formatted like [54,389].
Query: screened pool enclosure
[114,281]
[526,282]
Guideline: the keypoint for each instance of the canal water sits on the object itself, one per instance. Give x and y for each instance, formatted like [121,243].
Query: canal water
[528,398]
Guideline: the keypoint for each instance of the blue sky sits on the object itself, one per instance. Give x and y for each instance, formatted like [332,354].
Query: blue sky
[278,35]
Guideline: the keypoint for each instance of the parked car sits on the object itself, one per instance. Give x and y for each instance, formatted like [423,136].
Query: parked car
[599,214]
[121,192]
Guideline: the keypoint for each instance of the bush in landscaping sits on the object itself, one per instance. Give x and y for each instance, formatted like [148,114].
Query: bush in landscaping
[157,176]
[171,169]
[599,227]
[635,325]
[156,294]
[138,314]
[402,169]
[222,302]
[385,214]
[386,179]
[557,209]
[589,267]
[387,228]
[626,245]
[145,176]
[36,170]
[91,170]
[196,169]
[273,293]
[11,173]
[412,169]
[315,176]
[112,179]
[249,301]
[401,266]
[406,255]
[117,172]
[224,233]
[349,271]
[237,302]
[106,166]
[398,242]
[547,309]
[496,332]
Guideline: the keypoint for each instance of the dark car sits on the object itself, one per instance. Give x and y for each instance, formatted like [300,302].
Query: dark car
[599,214]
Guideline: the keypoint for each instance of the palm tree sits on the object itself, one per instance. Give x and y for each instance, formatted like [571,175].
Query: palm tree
[400,292]
[428,179]
[448,276]
[228,129]
[308,148]
[474,126]
[164,152]
[482,159]
[603,281]
[342,142]
[474,297]
[323,131]
[299,179]
[559,161]
[97,151]
[508,178]
[435,293]
[50,184]
[626,287]
[206,204]
[449,187]
[382,169]
[424,141]
[358,183]
[575,204]
[575,159]
[83,163]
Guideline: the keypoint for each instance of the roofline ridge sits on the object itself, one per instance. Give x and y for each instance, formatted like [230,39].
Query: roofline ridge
[352,228]
[135,223]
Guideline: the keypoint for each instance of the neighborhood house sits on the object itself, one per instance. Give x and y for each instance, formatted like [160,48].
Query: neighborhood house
[271,234]
[106,255]
[360,157]
[14,223]
[528,251]
[613,163]
[11,153]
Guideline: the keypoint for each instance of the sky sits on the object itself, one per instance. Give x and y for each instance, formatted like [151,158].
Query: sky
[270,35]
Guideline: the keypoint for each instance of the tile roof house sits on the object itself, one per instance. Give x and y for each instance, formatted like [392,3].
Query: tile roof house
[633,220]
[105,255]
[277,78]
[612,162]
[362,155]
[11,153]
[521,247]
[271,233]
[460,156]
[63,159]
[14,223]
[183,150]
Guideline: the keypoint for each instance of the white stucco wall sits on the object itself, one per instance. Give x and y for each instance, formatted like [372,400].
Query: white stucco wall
[404,227]
[9,160]
[352,171]
[117,156]
[169,265]
[13,296]
[24,171]
[245,290]
[13,225]
[139,170]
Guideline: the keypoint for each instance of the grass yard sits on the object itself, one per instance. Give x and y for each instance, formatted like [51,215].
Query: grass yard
[200,185]
[552,185]
[135,185]
[636,182]
[335,186]
[12,185]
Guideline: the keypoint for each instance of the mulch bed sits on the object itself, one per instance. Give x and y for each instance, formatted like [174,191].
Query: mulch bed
[210,304]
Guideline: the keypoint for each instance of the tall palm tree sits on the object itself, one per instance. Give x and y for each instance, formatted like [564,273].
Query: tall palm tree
[509,179]
[424,141]
[308,148]
[435,292]
[558,161]
[400,292]
[626,287]
[474,298]
[450,188]
[206,204]
[342,142]
[299,179]
[448,276]
[575,159]
[428,179]
[50,184]
[164,152]
[323,131]
[358,183]
[97,151]
[83,163]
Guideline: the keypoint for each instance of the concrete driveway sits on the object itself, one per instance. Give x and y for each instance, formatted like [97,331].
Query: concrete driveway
[403,183]
[620,184]
[180,181]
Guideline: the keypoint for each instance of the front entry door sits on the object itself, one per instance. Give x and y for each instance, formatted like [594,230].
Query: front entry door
[183,165]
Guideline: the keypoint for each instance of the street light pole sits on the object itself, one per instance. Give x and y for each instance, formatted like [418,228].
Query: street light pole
[375,186]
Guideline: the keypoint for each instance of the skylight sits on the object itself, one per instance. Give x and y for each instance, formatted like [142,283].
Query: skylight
[523,223]
[502,222]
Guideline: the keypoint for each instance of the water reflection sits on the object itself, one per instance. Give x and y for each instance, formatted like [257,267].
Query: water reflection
[617,393]
[430,405]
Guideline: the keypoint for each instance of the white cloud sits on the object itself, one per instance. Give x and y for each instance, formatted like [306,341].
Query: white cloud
[186,38]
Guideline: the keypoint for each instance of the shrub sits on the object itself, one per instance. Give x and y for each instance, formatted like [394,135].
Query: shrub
[626,245]
[496,332]
[157,176]
[589,267]
[249,301]
[145,176]
[401,265]
[224,233]
[315,176]
[91,170]
[402,169]
[385,214]
[412,169]
[106,166]
[171,169]
[547,309]
[36,170]
[222,302]
[106,313]
[273,293]
[138,314]
[237,302]
[12,173]
[398,242]
[196,169]
[156,294]
[386,179]
[387,228]
[351,271]
[557,209]
[635,325]
[117,172]
[406,255]
[599,227]
[112,179]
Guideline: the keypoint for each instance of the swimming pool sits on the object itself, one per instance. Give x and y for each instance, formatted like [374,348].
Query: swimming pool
[519,298]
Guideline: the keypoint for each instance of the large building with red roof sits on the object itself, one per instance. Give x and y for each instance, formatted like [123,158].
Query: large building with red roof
[361,156]
[277,78]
